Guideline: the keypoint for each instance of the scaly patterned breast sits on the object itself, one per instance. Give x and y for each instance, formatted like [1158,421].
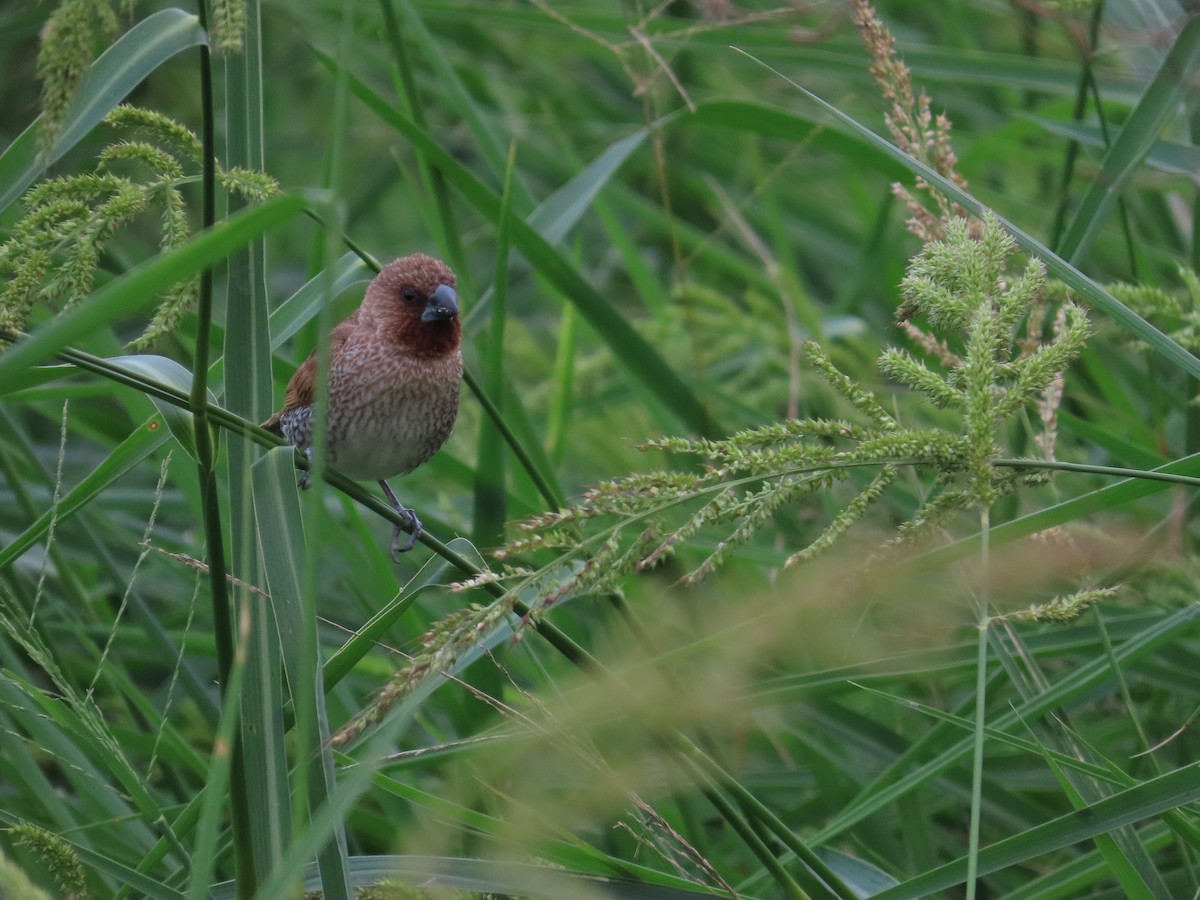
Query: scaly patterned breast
[387,414]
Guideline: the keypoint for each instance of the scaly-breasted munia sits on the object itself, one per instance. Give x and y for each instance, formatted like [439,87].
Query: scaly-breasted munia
[394,372]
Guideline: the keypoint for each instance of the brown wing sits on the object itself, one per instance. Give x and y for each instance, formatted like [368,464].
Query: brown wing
[303,385]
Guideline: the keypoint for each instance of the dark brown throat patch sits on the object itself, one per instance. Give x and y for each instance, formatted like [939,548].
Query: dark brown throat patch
[432,339]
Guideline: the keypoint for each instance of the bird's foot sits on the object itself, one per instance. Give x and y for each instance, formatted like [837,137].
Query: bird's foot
[414,527]
[414,532]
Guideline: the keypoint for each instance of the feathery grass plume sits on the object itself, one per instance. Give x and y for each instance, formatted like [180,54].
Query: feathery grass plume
[446,640]
[912,124]
[53,252]
[164,130]
[1061,609]
[1176,312]
[67,42]
[57,856]
[985,369]
[229,25]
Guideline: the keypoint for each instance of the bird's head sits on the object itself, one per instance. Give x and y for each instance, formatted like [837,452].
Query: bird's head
[415,301]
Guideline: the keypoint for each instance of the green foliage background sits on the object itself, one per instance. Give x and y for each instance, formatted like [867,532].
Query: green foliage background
[211,685]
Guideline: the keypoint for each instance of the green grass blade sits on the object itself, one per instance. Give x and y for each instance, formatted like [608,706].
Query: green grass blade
[262,742]
[341,663]
[1083,873]
[1122,868]
[562,210]
[290,316]
[168,372]
[861,148]
[490,497]
[303,306]
[554,218]
[213,800]
[491,877]
[1157,106]
[875,796]
[993,734]
[127,455]
[1151,798]
[564,386]
[1171,157]
[281,541]
[249,389]
[370,756]
[446,231]
[82,722]
[94,798]
[520,437]
[459,98]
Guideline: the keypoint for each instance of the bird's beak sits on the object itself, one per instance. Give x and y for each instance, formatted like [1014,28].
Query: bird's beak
[441,305]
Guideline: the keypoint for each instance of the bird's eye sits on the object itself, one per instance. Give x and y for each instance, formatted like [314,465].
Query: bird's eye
[409,294]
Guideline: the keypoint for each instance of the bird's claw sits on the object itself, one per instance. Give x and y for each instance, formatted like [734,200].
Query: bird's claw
[414,528]
[414,532]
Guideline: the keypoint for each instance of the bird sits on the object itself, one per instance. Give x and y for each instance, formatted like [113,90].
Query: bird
[395,366]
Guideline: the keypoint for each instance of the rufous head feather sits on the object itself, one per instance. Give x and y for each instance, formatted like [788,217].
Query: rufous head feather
[414,302]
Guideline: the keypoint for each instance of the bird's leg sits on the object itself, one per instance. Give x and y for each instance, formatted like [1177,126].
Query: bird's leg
[303,482]
[414,524]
